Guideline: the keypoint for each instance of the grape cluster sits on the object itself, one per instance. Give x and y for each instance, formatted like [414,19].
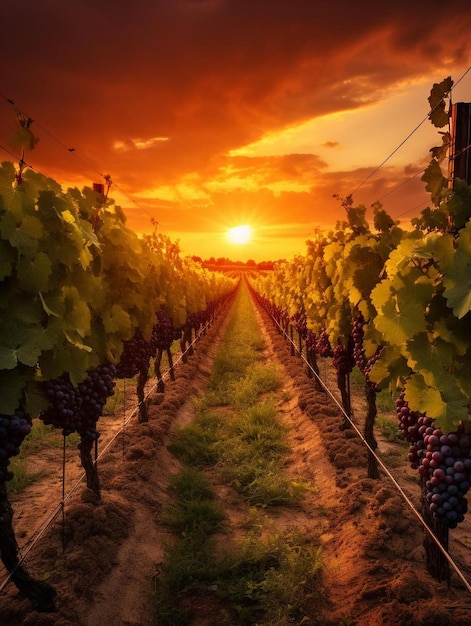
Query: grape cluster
[77,409]
[135,356]
[299,321]
[323,347]
[62,408]
[443,461]
[310,341]
[358,334]
[412,425]
[343,360]
[193,321]
[363,362]
[163,334]
[446,468]
[13,430]
[92,394]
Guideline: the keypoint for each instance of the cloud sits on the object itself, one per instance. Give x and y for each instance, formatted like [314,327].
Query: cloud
[137,144]
[213,104]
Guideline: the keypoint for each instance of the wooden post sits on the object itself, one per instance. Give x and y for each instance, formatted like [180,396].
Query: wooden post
[460,150]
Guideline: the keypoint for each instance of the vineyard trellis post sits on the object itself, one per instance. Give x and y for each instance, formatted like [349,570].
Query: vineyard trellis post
[460,148]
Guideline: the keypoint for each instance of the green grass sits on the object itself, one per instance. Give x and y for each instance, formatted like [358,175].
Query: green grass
[195,444]
[256,582]
[40,437]
[266,577]
[388,426]
[269,579]
[385,402]
[21,476]
[196,510]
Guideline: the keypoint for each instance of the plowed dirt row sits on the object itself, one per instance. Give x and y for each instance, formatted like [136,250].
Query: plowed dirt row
[374,570]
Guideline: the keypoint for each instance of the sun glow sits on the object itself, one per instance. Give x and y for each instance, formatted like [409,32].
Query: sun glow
[239,234]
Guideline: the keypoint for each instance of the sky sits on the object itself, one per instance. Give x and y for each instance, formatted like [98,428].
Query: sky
[211,114]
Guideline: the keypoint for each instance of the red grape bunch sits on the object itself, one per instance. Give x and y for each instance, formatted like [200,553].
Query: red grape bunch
[443,461]
[323,347]
[343,360]
[363,362]
[310,341]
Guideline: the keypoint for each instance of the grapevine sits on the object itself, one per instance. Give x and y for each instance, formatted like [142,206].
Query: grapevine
[402,297]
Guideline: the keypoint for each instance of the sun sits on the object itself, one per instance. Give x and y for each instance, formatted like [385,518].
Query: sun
[239,234]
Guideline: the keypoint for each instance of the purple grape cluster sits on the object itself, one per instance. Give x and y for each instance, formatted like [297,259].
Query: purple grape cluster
[323,347]
[358,334]
[77,409]
[13,430]
[446,468]
[62,409]
[363,362]
[135,357]
[443,461]
[92,394]
[310,341]
[299,321]
[163,334]
[412,425]
[343,360]
[194,321]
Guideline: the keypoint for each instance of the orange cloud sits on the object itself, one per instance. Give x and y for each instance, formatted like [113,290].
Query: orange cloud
[206,111]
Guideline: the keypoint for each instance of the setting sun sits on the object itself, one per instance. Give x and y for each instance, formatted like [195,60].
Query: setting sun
[239,234]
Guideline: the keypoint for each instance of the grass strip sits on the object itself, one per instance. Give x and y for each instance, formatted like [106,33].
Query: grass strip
[268,576]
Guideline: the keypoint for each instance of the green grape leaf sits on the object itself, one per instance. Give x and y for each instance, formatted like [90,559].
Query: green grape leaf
[463,376]
[381,294]
[423,398]
[443,248]
[32,227]
[457,276]
[459,341]
[48,336]
[24,345]
[8,360]
[23,139]
[426,356]
[401,317]
[117,320]
[434,181]
[438,116]
[18,238]
[447,404]
[35,399]
[391,367]
[11,337]
[382,221]
[19,201]
[34,273]
[28,353]
[12,384]
[7,259]
[66,358]
[77,317]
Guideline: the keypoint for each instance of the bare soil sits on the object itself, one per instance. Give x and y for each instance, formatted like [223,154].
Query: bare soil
[101,558]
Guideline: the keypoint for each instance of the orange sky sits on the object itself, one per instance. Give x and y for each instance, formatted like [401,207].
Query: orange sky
[208,114]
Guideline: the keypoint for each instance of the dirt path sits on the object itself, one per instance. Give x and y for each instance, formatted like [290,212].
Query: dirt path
[374,571]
